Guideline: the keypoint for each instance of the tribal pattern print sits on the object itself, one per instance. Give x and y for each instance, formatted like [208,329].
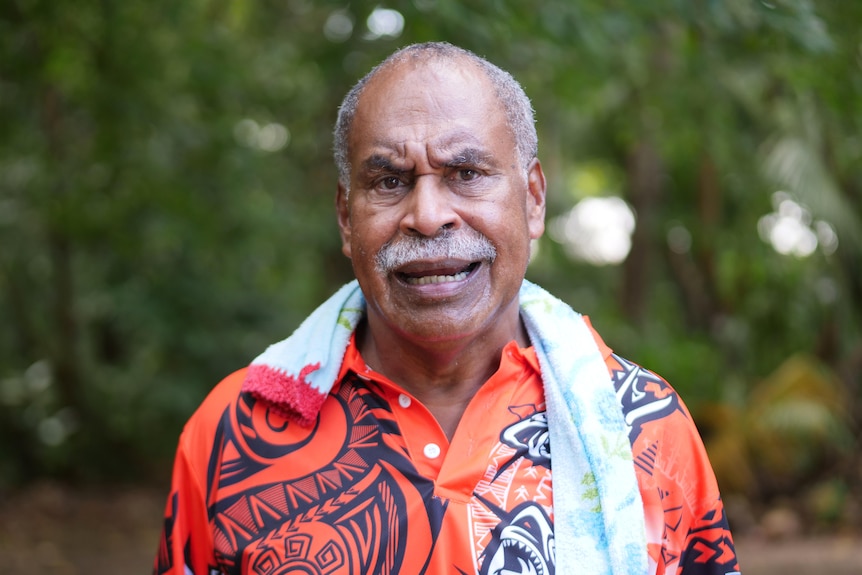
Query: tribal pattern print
[685,541]
[256,494]
[523,542]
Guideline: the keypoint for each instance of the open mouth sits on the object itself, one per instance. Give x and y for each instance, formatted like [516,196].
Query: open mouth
[437,276]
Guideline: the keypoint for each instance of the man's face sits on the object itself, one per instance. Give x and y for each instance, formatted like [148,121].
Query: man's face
[432,156]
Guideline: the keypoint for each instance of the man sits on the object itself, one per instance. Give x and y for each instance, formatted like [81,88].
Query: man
[412,423]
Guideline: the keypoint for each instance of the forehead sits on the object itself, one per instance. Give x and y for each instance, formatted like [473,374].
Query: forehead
[438,103]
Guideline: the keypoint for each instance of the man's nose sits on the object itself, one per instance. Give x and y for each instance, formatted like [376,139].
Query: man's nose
[429,207]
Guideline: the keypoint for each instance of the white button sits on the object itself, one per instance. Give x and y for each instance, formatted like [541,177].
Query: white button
[404,400]
[432,451]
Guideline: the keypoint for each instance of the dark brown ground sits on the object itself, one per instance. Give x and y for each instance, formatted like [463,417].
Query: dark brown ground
[54,530]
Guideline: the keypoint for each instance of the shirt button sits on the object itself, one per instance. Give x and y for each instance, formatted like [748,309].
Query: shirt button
[432,451]
[404,400]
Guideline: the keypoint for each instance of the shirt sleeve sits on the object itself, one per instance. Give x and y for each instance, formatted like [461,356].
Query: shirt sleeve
[702,539]
[185,546]
[687,528]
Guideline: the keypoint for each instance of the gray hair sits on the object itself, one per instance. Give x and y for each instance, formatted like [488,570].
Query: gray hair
[516,104]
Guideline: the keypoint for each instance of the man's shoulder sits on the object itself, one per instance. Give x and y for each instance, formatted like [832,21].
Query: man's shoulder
[624,371]
[647,400]
[227,390]
[219,400]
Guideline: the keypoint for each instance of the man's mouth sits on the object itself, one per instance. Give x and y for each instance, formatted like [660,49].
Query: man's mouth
[437,276]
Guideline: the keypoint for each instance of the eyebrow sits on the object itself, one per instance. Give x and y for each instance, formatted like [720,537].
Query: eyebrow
[380,163]
[469,157]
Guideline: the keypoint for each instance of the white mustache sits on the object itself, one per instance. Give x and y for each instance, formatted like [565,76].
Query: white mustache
[469,246]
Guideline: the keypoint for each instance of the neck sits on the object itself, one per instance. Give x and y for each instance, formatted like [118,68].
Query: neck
[444,376]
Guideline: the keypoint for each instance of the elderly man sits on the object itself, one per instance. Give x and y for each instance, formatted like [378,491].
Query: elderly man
[441,414]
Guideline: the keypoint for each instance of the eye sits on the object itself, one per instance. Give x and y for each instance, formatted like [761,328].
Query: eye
[467,174]
[389,183]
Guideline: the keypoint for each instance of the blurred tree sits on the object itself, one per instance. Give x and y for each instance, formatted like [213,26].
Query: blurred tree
[166,195]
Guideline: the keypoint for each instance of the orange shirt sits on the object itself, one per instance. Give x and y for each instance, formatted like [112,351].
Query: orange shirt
[376,487]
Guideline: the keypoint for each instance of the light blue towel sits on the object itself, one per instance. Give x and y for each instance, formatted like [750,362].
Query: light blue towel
[598,513]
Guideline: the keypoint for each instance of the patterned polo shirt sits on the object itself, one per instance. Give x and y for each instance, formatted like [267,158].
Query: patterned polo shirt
[376,487]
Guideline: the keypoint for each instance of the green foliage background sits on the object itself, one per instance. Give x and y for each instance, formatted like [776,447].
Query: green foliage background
[147,250]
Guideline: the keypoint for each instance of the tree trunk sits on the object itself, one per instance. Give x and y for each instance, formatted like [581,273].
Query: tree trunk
[645,181]
[64,356]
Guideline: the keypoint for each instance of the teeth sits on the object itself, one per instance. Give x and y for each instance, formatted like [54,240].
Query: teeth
[424,280]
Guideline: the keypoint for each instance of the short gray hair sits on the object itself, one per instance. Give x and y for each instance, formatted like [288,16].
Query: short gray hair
[516,104]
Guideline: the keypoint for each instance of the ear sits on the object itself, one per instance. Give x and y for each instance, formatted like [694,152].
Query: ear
[342,208]
[536,188]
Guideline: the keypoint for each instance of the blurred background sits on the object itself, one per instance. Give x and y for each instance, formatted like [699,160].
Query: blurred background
[166,212]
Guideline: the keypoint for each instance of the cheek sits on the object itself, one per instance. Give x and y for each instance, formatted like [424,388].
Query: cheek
[371,229]
[517,239]
[363,246]
[511,227]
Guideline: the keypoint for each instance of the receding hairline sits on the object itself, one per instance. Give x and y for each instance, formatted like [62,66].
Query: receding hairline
[425,53]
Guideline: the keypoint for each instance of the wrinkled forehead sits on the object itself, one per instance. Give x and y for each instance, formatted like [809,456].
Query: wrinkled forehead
[422,79]
[432,95]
